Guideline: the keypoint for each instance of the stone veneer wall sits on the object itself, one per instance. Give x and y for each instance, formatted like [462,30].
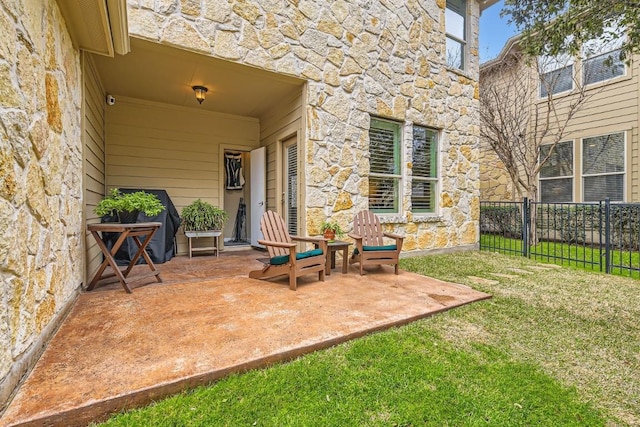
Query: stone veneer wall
[360,58]
[41,257]
[495,184]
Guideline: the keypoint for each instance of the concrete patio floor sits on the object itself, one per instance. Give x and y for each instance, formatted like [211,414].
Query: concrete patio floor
[207,319]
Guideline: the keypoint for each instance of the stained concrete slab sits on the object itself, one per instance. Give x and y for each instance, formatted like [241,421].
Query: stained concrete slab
[117,350]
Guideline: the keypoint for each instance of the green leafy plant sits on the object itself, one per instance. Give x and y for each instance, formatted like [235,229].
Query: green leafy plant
[332,226]
[203,216]
[117,202]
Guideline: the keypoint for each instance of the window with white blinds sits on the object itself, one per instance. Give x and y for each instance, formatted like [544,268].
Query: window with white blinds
[384,166]
[424,180]
[602,67]
[291,165]
[603,167]
[602,55]
[556,174]
[556,81]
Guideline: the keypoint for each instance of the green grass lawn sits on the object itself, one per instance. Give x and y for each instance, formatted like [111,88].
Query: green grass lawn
[558,347]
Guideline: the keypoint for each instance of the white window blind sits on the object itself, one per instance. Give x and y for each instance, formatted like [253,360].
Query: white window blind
[602,67]
[556,174]
[292,188]
[603,168]
[384,166]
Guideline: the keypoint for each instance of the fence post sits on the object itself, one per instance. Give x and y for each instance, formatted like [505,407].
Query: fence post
[525,226]
[607,235]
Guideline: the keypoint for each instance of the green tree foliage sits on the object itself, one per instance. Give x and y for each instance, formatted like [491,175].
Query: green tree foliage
[552,27]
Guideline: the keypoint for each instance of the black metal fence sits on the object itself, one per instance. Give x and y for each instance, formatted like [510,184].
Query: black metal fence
[601,236]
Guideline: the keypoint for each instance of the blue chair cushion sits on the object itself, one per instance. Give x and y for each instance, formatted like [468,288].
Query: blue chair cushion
[376,248]
[283,259]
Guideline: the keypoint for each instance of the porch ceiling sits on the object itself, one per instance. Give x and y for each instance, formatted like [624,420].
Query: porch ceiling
[161,73]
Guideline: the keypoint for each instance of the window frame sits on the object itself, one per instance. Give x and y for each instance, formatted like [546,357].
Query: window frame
[435,161]
[617,62]
[555,65]
[559,177]
[463,42]
[584,175]
[596,48]
[397,177]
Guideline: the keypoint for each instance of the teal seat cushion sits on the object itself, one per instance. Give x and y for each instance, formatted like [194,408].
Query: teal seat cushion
[283,259]
[376,248]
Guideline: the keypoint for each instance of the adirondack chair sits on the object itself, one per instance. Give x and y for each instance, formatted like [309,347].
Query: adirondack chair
[369,241]
[283,256]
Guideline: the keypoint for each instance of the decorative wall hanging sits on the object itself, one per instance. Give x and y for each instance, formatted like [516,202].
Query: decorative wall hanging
[233,167]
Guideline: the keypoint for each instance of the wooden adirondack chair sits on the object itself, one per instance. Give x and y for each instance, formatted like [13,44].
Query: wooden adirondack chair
[369,240]
[283,256]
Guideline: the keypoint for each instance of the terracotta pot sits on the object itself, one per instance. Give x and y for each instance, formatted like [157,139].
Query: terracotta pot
[329,235]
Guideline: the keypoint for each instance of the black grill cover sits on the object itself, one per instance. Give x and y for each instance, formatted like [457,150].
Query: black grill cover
[161,248]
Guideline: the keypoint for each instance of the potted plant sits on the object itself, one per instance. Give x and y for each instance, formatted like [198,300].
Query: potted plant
[126,206]
[201,216]
[202,219]
[331,230]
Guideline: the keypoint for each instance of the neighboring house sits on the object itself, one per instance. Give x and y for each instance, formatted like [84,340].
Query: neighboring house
[598,158]
[333,106]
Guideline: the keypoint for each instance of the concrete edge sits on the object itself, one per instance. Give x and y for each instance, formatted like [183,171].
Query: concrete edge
[102,410]
[21,368]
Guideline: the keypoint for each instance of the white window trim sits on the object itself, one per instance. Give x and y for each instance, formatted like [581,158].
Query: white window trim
[624,162]
[564,92]
[600,82]
[573,177]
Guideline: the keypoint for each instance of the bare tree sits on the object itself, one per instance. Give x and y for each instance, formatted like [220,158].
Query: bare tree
[526,108]
[520,112]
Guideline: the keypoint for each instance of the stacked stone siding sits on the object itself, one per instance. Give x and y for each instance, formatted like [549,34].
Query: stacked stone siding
[361,58]
[41,259]
[495,184]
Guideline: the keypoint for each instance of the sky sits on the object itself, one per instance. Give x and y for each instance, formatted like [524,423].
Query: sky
[494,32]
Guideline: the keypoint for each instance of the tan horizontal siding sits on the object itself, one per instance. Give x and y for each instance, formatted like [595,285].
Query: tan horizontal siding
[93,155]
[176,149]
[283,121]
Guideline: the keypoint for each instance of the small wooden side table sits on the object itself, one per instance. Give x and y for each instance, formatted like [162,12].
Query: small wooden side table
[135,230]
[196,234]
[333,247]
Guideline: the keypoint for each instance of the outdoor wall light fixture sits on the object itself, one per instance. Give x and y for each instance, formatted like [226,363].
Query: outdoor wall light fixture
[200,92]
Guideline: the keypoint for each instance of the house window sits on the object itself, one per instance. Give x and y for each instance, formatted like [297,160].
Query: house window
[425,170]
[603,167]
[384,166]
[455,26]
[602,56]
[602,67]
[556,174]
[556,74]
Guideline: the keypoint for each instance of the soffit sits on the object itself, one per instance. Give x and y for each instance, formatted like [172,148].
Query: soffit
[160,73]
[90,24]
[486,3]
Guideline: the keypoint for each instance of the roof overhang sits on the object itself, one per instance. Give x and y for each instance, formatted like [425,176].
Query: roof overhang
[511,46]
[486,3]
[98,26]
